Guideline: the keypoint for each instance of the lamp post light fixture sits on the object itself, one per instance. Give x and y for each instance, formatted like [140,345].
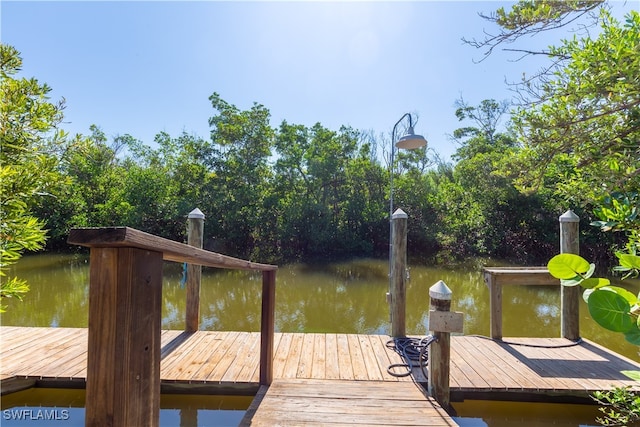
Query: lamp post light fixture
[409,141]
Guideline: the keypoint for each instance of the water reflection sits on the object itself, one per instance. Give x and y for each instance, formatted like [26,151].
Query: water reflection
[482,413]
[340,298]
[65,407]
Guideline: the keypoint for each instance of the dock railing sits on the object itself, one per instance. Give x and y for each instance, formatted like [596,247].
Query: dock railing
[125,305]
[496,277]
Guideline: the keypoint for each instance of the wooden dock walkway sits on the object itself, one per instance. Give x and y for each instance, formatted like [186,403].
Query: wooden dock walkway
[330,373]
[339,402]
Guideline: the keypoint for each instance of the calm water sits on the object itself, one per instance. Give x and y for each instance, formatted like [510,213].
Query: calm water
[346,298]
[65,407]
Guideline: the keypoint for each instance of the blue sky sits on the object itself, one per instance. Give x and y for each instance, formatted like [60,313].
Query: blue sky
[145,67]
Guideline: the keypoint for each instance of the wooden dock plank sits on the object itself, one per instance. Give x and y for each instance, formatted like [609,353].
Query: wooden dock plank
[226,354]
[187,366]
[384,356]
[357,358]
[290,369]
[318,369]
[370,361]
[225,341]
[344,357]
[487,373]
[305,363]
[332,365]
[513,374]
[247,357]
[251,371]
[281,353]
[55,359]
[323,402]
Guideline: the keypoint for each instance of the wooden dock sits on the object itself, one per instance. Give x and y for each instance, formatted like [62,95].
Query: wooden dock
[331,375]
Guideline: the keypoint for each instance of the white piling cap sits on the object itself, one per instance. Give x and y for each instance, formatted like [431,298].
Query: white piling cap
[196,213]
[569,216]
[399,214]
[440,291]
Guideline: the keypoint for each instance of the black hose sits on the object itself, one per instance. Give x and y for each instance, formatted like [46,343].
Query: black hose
[414,351]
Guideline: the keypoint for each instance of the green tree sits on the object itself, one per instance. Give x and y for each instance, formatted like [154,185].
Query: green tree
[330,193]
[586,122]
[527,18]
[28,137]
[480,212]
[242,142]
[579,117]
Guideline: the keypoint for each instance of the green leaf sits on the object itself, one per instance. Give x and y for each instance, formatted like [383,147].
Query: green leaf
[611,311]
[572,282]
[594,283]
[634,375]
[628,296]
[629,261]
[586,294]
[568,266]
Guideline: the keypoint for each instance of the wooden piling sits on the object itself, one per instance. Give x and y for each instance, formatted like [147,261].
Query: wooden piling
[267,326]
[570,295]
[398,272]
[440,349]
[195,233]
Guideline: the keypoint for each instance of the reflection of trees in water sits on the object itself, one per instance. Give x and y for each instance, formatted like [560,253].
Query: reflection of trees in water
[313,300]
[339,298]
[58,295]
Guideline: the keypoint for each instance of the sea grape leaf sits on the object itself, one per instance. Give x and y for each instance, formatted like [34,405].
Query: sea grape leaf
[634,375]
[568,266]
[595,283]
[633,336]
[572,282]
[628,260]
[610,310]
[629,296]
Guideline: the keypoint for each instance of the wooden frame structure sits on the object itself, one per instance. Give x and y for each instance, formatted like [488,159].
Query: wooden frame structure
[496,277]
[125,297]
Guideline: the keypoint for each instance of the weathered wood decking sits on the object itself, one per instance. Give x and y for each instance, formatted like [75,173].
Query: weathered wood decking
[319,379]
[206,357]
[340,402]
[534,368]
[331,372]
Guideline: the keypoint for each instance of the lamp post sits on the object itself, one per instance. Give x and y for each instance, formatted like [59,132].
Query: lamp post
[409,141]
[396,284]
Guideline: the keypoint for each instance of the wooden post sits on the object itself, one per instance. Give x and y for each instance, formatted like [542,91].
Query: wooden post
[398,272]
[440,349]
[195,231]
[570,295]
[123,361]
[267,326]
[495,306]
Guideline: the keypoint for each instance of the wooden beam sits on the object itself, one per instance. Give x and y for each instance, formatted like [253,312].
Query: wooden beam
[123,361]
[118,237]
